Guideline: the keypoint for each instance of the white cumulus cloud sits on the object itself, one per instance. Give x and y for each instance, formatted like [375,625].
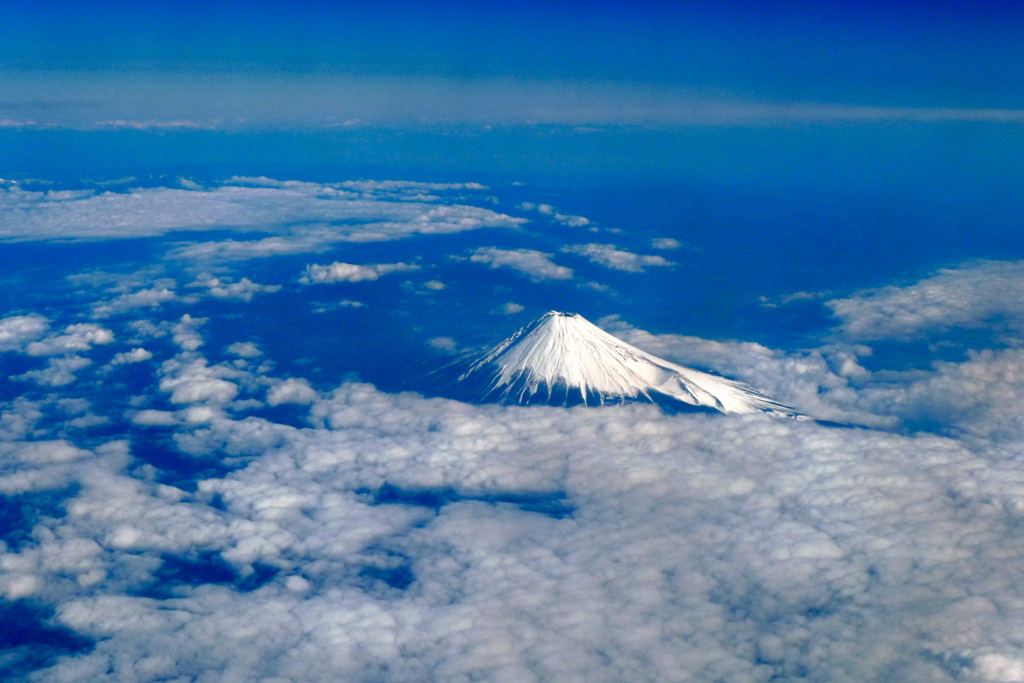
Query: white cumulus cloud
[292,390]
[18,330]
[548,210]
[193,381]
[136,355]
[511,308]
[222,288]
[244,350]
[57,373]
[186,332]
[77,337]
[141,298]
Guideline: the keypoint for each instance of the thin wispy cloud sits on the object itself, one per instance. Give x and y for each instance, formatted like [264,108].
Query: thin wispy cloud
[168,102]
[310,215]
[150,125]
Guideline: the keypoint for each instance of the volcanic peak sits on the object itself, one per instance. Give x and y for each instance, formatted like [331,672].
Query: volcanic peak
[562,358]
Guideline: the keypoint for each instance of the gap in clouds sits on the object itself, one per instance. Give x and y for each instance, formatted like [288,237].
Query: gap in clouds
[553,505]
[178,573]
[31,641]
[161,459]
[20,512]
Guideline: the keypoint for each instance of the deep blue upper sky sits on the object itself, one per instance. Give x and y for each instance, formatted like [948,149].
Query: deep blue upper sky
[72,62]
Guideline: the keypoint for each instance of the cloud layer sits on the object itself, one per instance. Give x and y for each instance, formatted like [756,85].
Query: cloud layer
[179,508]
[404,538]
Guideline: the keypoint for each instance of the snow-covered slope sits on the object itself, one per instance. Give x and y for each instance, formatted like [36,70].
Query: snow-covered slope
[564,359]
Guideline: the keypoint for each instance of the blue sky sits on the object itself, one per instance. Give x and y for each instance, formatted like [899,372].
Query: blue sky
[237,238]
[863,95]
[116,61]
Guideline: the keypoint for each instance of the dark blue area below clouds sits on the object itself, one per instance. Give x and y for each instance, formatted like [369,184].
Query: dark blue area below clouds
[20,513]
[29,641]
[176,572]
[553,505]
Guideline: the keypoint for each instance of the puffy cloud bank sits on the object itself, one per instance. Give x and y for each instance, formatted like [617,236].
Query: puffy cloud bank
[402,538]
[983,294]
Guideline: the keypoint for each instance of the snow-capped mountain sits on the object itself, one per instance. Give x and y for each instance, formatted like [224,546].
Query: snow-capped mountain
[564,359]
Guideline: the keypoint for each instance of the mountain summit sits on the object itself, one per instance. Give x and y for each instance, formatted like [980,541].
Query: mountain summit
[564,359]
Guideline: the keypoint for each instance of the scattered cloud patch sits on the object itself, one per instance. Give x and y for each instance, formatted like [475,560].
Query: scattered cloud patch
[186,332]
[243,290]
[790,298]
[665,243]
[19,330]
[77,337]
[511,308]
[57,373]
[141,298]
[244,350]
[189,184]
[536,264]
[154,418]
[191,380]
[619,259]
[292,390]
[136,355]
[350,272]
[324,307]
[147,329]
[12,123]
[443,344]
[548,210]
